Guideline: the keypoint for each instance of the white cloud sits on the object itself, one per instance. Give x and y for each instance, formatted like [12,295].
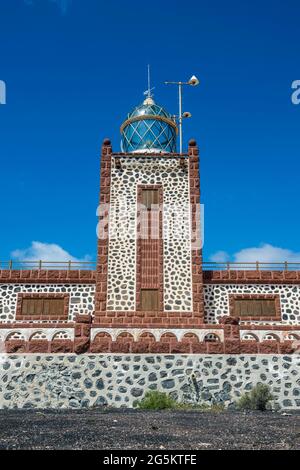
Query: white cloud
[62,4]
[268,254]
[265,253]
[45,252]
[220,257]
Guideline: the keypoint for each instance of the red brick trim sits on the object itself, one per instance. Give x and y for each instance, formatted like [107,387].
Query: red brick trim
[38,346]
[192,347]
[146,343]
[264,347]
[251,277]
[276,297]
[197,274]
[62,346]
[15,346]
[148,346]
[47,277]
[38,326]
[138,319]
[202,326]
[35,295]
[89,277]
[82,333]
[156,244]
[103,241]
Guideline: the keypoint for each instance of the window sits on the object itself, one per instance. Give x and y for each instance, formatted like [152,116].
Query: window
[150,197]
[149,299]
[42,306]
[255,306]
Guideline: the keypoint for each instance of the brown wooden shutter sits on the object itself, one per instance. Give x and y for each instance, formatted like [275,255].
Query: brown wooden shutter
[254,307]
[268,308]
[43,306]
[150,197]
[149,299]
[32,307]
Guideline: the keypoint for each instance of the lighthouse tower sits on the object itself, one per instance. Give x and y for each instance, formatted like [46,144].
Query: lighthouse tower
[149,269]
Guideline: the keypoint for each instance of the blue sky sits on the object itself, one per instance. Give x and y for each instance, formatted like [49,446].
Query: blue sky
[74,68]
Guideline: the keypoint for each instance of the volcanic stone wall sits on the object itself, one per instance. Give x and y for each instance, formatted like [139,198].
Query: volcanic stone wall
[80,298]
[70,381]
[216,300]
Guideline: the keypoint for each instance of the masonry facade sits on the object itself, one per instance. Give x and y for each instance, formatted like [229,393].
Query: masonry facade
[149,292]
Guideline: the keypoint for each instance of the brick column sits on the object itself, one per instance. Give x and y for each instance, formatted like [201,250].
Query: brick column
[197,274]
[232,341]
[103,233]
[82,333]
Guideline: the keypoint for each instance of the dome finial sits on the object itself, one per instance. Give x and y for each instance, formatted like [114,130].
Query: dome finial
[149,100]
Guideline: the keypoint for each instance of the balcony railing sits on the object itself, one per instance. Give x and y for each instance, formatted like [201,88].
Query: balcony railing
[256,266]
[48,265]
[91,265]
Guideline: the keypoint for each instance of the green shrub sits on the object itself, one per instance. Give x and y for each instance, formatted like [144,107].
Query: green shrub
[257,399]
[155,400]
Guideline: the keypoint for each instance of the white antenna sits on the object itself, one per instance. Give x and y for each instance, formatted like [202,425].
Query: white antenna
[148,92]
[149,82]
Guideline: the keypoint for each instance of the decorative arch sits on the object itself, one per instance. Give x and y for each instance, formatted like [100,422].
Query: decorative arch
[61,335]
[14,335]
[211,338]
[125,337]
[271,337]
[190,338]
[147,337]
[292,336]
[168,337]
[249,337]
[38,335]
[101,342]
[101,337]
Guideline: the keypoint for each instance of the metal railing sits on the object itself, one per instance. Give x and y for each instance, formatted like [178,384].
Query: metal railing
[91,265]
[48,265]
[254,266]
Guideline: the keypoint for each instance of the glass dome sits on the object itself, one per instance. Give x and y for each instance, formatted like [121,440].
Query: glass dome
[149,128]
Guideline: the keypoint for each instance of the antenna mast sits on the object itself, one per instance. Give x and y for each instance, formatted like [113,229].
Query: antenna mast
[148,92]
[149,82]
[193,81]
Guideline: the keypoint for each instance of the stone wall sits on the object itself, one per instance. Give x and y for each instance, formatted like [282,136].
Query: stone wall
[135,171]
[62,381]
[216,300]
[81,298]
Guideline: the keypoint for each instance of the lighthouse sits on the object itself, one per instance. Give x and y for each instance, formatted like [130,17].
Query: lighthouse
[149,269]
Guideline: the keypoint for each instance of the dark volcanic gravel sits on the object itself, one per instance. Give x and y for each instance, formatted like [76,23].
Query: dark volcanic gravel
[97,429]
